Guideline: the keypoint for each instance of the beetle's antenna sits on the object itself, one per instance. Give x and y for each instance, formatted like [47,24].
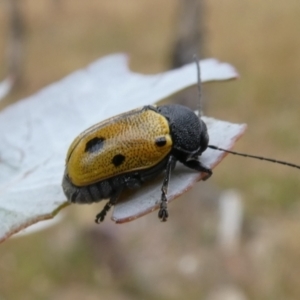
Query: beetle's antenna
[199,84]
[256,157]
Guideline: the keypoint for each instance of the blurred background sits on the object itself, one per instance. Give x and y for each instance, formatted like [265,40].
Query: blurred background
[234,237]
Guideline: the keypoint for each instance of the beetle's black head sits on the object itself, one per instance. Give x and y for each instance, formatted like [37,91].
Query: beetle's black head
[188,131]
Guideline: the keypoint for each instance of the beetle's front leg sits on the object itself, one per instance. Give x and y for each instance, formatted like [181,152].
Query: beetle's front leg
[163,209]
[196,165]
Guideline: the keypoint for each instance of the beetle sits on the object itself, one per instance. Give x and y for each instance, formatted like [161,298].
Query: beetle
[131,148]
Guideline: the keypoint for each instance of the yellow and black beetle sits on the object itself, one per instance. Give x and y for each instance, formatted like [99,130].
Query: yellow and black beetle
[131,148]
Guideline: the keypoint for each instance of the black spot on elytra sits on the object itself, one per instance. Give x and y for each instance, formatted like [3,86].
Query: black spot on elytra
[94,144]
[118,160]
[160,141]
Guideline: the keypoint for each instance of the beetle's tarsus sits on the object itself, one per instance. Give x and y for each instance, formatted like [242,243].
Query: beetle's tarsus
[102,214]
[100,218]
[163,214]
[208,174]
[163,210]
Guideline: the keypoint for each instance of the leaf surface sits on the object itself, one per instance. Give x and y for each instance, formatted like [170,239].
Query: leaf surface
[35,133]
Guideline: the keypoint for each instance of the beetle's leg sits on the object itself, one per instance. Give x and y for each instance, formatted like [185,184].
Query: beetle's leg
[163,210]
[101,216]
[196,165]
[112,201]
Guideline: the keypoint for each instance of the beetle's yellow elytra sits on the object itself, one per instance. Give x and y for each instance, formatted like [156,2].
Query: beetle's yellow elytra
[126,143]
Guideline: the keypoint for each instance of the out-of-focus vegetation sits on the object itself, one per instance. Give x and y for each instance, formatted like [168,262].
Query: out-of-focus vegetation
[180,259]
